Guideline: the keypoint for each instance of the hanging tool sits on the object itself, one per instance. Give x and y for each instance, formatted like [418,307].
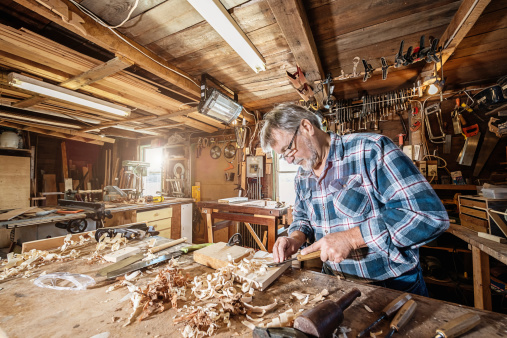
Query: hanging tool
[324,318]
[299,257]
[458,326]
[431,54]
[402,317]
[471,131]
[399,59]
[368,70]
[466,156]
[457,118]
[434,112]
[300,83]
[385,67]
[488,144]
[388,311]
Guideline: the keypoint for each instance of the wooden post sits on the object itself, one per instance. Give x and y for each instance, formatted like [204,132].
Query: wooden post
[482,288]
[65,168]
[209,223]
[272,232]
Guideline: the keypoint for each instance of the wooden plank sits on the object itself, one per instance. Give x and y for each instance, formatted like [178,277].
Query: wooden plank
[473,212]
[499,221]
[255,237]
[473,223]
[14,182]
[49,185]
[29,102]
[52,243]
[482,284]
[176,221]
[103,37]
[291,17]
[65,169]
[476,203]
[493,238]
[121,254]
[98,73]
[468,13]
[13,213]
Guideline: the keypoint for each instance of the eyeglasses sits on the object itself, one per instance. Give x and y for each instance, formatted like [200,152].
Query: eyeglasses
[288,150]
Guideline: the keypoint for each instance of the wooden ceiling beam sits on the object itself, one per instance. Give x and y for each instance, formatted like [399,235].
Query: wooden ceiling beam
[86,27]
[291,17]
[95,74]
[168,126]
[29,102]
[44,131]
[467,14]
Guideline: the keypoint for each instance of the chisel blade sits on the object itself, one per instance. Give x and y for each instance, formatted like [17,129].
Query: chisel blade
[143,264]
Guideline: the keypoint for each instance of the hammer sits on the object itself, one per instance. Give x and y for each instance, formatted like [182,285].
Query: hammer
[324,318]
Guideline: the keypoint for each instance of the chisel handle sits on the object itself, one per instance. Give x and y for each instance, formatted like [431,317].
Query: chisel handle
[396,304]
[311,255]
[459,325]
[167,245]
[404,314]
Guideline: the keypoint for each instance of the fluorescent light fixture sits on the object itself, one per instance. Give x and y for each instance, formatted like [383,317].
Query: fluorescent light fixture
[220,107]
[64,94]
[219,18]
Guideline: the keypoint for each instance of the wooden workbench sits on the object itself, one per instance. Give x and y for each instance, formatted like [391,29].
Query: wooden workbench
[481,250]
[242,212]
[29,311]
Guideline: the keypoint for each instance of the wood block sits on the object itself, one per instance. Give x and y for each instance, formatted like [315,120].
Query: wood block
[262,282]
[52,243]
[216,255]
[492,237]
[121,254]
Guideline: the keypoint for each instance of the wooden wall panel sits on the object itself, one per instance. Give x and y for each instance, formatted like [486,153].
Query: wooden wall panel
[14,182]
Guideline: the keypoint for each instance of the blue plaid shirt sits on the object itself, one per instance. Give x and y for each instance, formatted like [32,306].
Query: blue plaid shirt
[368,182]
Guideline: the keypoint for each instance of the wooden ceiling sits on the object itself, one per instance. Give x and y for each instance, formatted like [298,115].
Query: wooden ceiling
[322,36]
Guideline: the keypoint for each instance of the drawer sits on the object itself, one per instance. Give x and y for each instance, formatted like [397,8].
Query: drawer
[474,212]
[153,215]
[160,224]
[165,233]
[472,203]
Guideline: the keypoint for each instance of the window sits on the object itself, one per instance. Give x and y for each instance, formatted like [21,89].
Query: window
[285,174]
[153,182]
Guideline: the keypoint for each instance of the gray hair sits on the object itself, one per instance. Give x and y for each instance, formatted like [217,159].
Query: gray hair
[286,117]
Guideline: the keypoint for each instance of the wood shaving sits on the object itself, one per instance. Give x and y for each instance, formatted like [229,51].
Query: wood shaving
[368,308]
[375,334]
[305,301]
[320,296]
[285,319]
[299,295]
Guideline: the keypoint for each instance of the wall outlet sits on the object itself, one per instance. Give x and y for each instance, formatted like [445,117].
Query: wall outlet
[422,167]
[432,171]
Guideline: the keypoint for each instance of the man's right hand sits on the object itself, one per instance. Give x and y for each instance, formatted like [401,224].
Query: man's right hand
[285,247]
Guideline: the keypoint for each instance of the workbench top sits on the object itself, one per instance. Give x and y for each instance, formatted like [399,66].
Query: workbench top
[113,207]
[29,311]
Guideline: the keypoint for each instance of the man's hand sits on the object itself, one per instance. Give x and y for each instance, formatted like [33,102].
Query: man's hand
[285,247]
[337,246]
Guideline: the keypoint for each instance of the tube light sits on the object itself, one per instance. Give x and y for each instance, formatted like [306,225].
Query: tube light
[220,19]
[64,94]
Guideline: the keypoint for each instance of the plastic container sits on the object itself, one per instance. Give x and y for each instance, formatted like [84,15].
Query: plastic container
[9,139]
[495,193]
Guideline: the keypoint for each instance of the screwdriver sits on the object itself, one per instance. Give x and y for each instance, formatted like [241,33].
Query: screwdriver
[402,317]
[458,326]
[311,255]
[388,311]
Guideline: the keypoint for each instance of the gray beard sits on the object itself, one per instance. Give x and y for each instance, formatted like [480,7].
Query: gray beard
[309,163]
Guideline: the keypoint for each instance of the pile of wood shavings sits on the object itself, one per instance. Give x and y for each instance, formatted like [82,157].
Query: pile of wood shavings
[15,264]
[160,294]
[104,242]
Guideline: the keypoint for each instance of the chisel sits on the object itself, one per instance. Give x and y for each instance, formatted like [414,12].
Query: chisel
[388,311]
[312,255]
[458,326]
[402,317]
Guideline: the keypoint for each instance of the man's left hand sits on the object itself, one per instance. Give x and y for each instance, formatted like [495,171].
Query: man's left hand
[337,246]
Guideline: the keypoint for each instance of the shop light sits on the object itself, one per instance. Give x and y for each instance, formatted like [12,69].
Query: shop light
[214,103]
[64,94]
[219,18]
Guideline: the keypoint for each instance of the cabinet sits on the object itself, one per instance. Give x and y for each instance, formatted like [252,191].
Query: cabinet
[176,171]
[473,213]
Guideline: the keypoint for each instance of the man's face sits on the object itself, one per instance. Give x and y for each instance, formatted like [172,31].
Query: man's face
[302,152]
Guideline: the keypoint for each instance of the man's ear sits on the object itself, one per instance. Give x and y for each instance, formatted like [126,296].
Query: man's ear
[308,127]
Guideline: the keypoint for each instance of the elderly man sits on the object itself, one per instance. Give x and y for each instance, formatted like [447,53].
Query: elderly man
[359,200]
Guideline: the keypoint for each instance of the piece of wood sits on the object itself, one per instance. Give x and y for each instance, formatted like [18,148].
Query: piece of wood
[167,245]
[220,255]
[291,17]
[468,13]
[103,37]
[473,212]
[255,237]
[13,213]
[14,182]
[216,256]
[29,102]
[65,169]
[493,238]
[52,243]
[499,221]
[49,185]
[482,283]
[121,254]
[98,73]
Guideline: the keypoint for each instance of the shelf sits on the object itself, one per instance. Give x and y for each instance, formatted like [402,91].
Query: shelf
[469,187]
[15,149]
